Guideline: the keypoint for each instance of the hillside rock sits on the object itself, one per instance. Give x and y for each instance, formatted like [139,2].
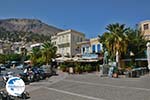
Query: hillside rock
[28,25]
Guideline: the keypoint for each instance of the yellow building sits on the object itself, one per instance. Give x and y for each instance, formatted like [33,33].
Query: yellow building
[96,46]
[145,28]
[90,46]
[66,42]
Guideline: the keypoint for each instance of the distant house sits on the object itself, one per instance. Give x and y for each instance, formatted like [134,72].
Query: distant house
[5,47]
[145,29]
[36,45]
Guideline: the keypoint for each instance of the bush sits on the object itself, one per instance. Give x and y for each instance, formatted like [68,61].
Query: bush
[63,67]
[115,70]
[78,69]
[88,68]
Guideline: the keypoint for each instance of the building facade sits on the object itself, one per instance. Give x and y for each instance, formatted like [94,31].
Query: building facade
[66,42]
[90,48]
[145,28]
[96,46]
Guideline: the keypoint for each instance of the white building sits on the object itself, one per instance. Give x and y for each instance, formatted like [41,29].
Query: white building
[66,42]
[145,28]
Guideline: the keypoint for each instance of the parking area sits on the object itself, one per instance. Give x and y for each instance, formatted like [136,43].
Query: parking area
[90,87]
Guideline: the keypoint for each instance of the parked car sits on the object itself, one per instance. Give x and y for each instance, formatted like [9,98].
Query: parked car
[36,74]
[7,65]
[23,76]
[47,70]
[20,67]
[42,73]
[8,75]
[2,67]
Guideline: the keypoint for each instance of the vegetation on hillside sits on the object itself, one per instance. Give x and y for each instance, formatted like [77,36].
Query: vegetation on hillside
[22,36]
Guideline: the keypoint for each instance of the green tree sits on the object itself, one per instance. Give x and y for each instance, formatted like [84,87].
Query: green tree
[115,40]
[13,57]
[49,51]
[23,54]
[2,58]
[35,55]
[137,43]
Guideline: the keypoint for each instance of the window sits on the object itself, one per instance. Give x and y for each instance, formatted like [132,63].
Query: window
[80,39]
[73,38]
[145,26]
[63,38]
[83,49]
[59,39]
[98,48]
[93,48]
[87,49]
[67,38]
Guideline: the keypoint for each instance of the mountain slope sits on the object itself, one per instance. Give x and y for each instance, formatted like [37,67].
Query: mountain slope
[28,25]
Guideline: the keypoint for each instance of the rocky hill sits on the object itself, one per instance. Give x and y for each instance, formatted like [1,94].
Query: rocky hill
[28,25]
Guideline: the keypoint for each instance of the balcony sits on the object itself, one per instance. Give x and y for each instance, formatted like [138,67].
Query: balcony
[63,45]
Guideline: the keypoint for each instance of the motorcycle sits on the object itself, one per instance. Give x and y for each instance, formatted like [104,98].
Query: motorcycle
[6,96]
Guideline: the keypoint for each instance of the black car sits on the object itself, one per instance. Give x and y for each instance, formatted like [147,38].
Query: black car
[7,65]
[42,73]
[2,67]
[23,76]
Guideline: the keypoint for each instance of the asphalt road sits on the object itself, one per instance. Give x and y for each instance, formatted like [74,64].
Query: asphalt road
[90,87]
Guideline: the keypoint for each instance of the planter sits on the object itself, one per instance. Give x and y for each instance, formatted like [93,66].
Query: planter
[115,75]
[71,70]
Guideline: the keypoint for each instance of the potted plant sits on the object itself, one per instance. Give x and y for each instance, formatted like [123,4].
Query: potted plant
[115,72]
[63,67]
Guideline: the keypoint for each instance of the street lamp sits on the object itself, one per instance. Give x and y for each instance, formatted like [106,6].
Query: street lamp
[132,57]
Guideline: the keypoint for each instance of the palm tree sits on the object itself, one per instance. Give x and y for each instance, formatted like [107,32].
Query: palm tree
[49,51]
[35,55]
[23,54]
[137,43]
[115,40]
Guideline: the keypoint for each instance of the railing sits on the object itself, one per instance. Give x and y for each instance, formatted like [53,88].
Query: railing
[136,72]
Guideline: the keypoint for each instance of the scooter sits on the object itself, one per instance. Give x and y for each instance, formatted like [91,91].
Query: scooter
[4,94]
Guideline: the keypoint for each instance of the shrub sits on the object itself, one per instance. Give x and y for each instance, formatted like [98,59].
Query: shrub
[115,70]
[78,69]
[63,67]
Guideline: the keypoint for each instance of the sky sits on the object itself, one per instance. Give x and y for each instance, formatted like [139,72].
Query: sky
[87,16]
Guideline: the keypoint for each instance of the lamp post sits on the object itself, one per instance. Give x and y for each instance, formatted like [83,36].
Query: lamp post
[132,57]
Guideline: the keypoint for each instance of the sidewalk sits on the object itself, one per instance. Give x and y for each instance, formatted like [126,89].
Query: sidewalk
[52,80]
[60,76]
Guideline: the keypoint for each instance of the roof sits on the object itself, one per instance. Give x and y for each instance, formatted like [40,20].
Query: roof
[70,30]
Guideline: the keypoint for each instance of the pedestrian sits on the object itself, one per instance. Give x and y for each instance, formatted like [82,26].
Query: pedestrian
[110,73]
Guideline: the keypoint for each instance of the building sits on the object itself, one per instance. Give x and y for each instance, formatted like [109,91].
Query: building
[90,48]
[96,46]
[145,28]
[5,47]
[36,45]
[66,42]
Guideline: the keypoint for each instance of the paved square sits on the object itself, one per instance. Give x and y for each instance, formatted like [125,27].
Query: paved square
[90,87]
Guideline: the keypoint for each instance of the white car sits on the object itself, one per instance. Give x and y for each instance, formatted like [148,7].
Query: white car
[20,67]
